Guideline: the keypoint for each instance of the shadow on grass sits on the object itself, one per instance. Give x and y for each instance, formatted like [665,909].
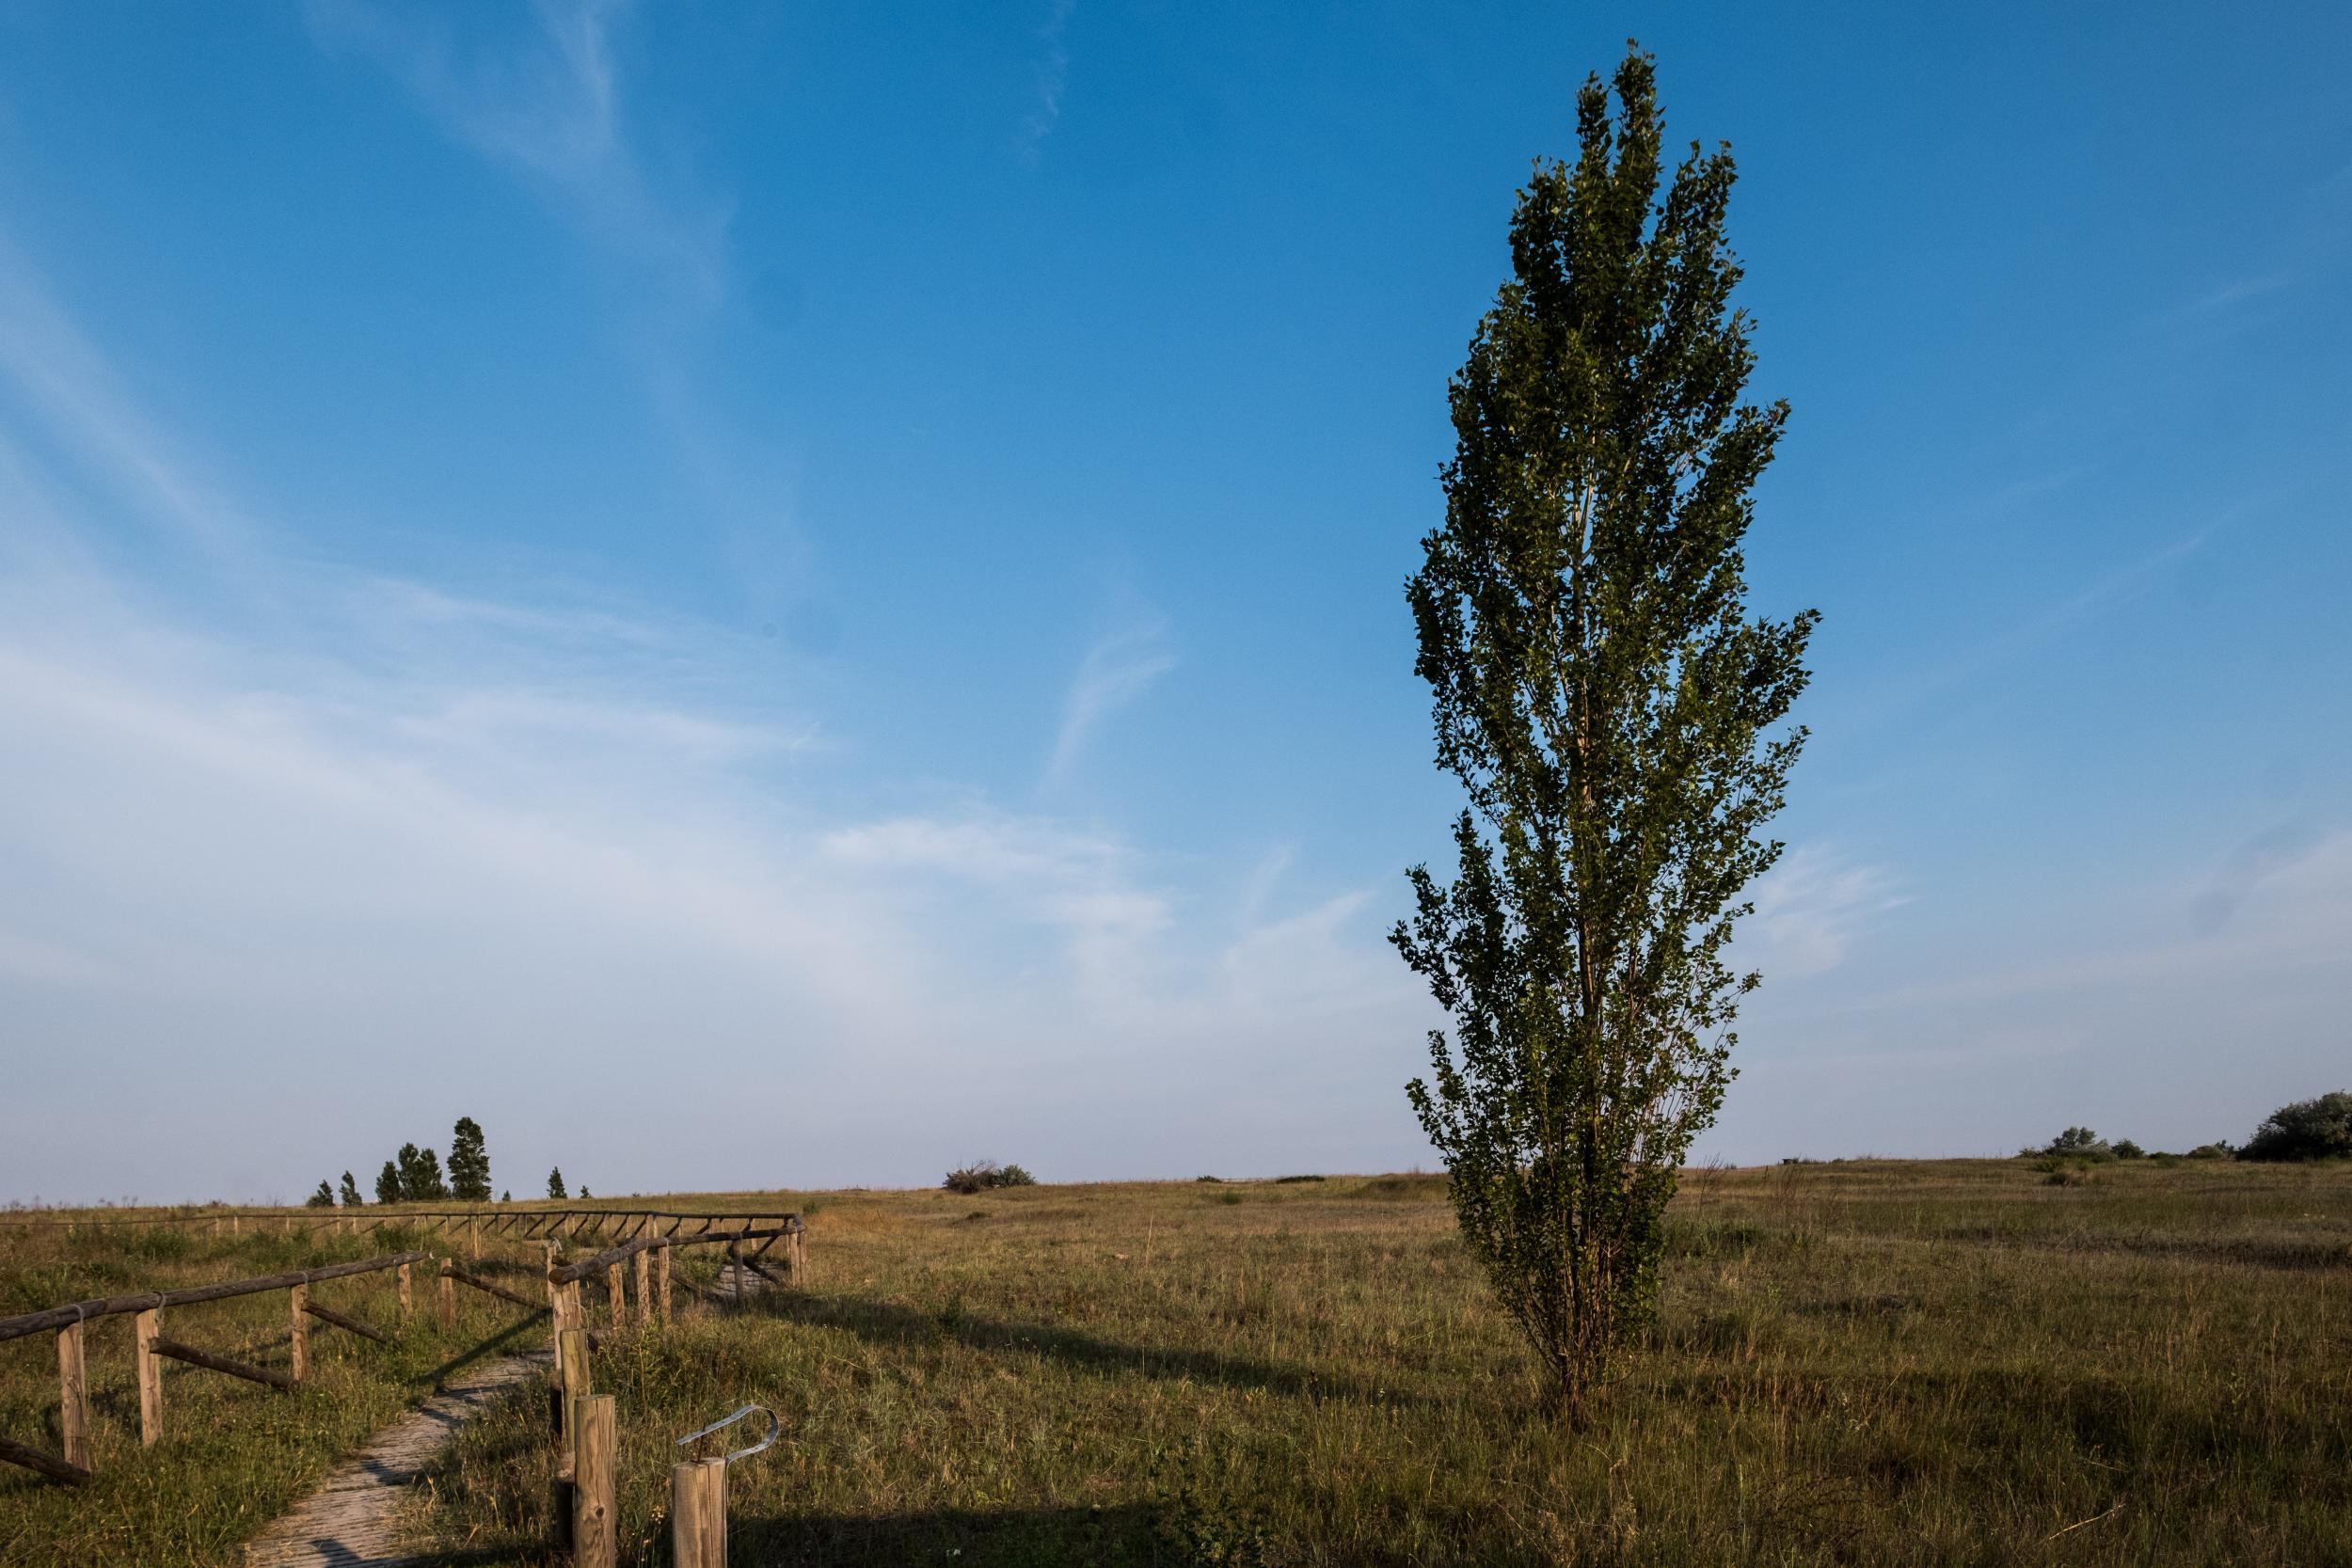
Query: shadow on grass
[891,1325]
[500,1342]
[1131,1535]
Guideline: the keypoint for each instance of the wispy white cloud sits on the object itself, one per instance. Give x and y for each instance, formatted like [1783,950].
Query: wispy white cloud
[480,833]
[77,400]
[1051,70]
[543,100]
[2240,290]
[1808,909]
[1119,667]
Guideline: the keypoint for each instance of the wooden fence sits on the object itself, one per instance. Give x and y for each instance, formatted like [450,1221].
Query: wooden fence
[584,1512]
[649,1239]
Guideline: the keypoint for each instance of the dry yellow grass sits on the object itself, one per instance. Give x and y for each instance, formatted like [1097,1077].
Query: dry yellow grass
[1857,1363]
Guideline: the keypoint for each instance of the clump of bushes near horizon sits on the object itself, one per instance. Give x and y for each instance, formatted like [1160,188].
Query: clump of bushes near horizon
[983,1175]
[2319,1129]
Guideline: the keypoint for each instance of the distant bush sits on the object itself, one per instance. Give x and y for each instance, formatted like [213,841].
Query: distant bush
[2126,1149]
[2213,1151]
[2068,1174]
[1207,1179]
[985,1176]
[2164,1161]
[2075,1143]
[2308,1130]
[1283,1178]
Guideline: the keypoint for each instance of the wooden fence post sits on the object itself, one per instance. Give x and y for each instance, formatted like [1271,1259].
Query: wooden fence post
[595,1534]
[644,1288]
[735,1255]
[661,1275]
[405,1310]
[612,1288]
[301,1298]
[578,1379]
[72,1396]
[698,1514]
[145,1327]
[448,1296]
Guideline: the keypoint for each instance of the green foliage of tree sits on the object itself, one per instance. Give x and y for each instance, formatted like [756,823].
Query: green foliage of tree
[323,1199]
[388,1184]
[2075,1143]
[2308,1130]
[468,1163]
[348,1195]
[2126,1149]
[420,1174]
[983,1176]
[1613,714]
[555,1183]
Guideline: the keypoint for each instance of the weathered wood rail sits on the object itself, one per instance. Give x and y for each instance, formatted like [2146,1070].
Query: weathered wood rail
[649,1240]
[66,1323]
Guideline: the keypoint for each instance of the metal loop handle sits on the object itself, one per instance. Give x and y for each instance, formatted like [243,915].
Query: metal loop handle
[774,1427]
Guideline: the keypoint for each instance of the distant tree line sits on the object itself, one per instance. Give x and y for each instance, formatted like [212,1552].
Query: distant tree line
[415,1175]
[2318,1129]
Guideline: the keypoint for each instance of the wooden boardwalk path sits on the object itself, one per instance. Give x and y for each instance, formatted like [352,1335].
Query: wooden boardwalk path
[354,1520]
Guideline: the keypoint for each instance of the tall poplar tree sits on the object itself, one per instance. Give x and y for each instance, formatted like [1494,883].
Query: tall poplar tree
[1615,716]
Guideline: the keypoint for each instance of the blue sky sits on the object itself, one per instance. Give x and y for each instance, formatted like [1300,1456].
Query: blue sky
[790,595]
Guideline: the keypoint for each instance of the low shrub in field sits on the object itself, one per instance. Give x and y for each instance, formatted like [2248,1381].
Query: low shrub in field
[2126,1149]
[2213,1151]
[2075,1143]
[1280,1180]
[986,1176]
[2308,1130]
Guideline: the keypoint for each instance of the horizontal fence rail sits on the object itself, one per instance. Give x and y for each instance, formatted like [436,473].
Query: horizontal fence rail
[150,1301]
[648,1239]
[530,1221]
[566,1274]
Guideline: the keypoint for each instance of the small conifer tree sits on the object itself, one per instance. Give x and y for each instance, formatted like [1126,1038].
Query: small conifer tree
[555,1183]
[468,1163]
[323,1199]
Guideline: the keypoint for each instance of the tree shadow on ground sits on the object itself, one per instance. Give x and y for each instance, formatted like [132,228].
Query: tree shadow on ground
[502,1341]
[890,1323]
[1126,1536]
[1130,1535]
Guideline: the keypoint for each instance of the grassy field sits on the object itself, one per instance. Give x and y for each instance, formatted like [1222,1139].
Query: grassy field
[1858,1363]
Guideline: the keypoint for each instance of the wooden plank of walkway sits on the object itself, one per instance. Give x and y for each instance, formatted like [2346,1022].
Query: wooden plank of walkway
[355,1519]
